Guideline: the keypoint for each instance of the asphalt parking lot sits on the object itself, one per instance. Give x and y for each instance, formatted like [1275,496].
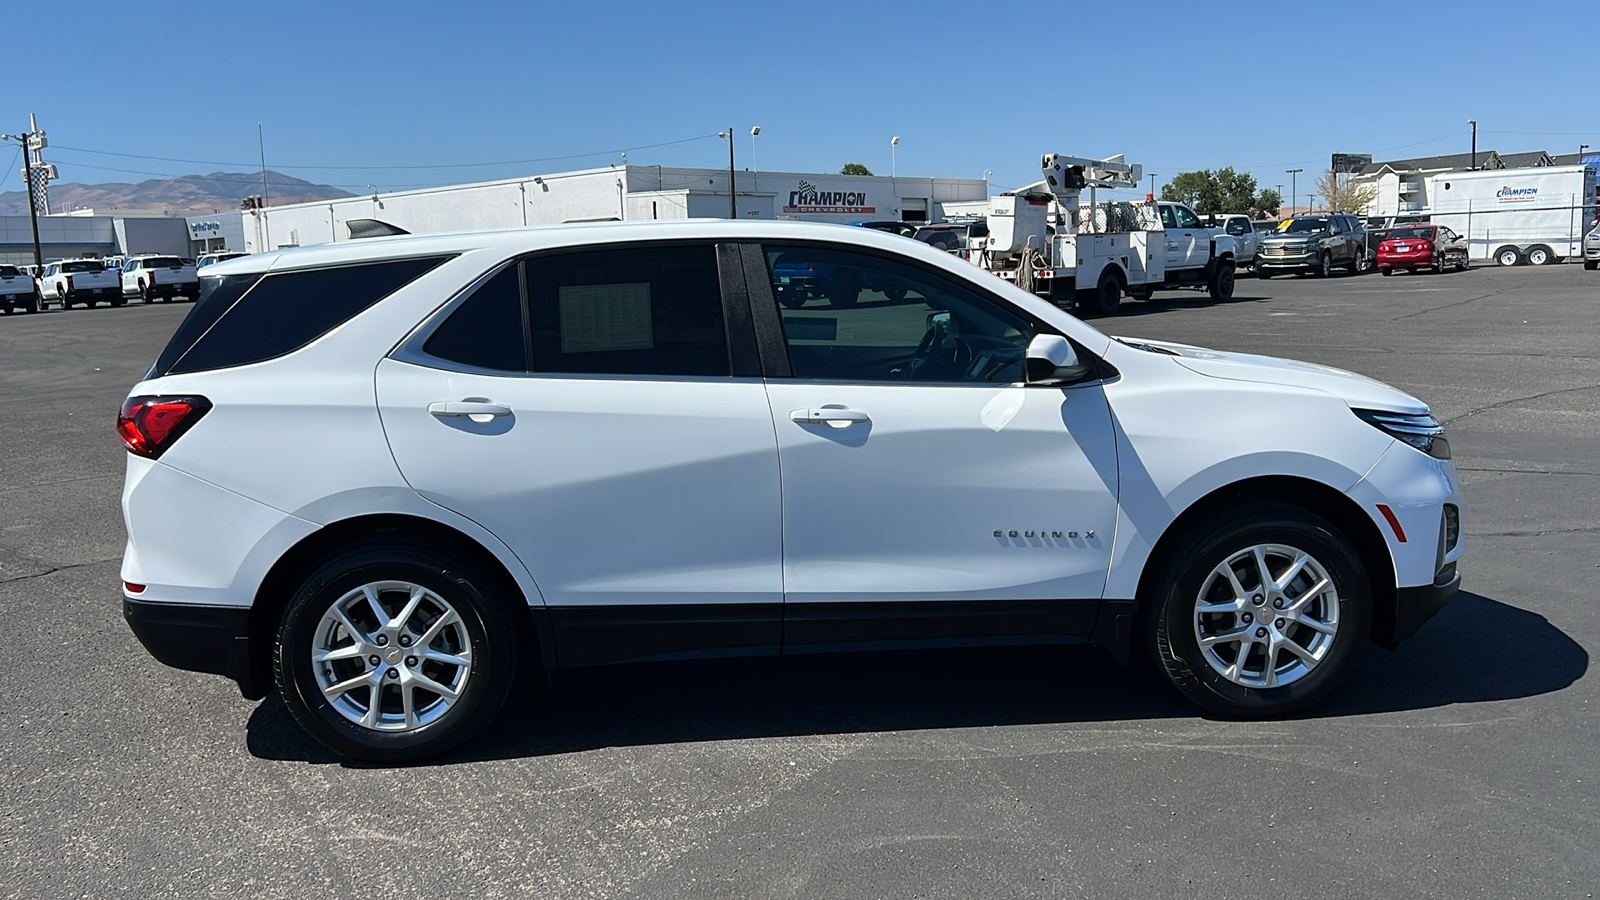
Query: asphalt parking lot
[1463,765]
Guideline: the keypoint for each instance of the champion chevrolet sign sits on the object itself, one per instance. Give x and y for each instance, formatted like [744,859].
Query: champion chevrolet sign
[807,199]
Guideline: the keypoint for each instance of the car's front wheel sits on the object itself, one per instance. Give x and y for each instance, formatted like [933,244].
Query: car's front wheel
[392,651]
[1262,613]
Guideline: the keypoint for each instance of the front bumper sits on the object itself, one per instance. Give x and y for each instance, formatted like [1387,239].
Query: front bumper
[1306,260]
[211,639]
[1415,605]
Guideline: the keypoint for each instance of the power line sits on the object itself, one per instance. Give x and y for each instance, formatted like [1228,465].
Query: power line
[476,165]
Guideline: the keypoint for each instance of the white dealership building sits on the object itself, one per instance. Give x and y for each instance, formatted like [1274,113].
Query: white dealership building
[616,193]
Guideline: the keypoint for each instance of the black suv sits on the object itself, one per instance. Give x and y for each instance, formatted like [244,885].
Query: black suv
[1316,243]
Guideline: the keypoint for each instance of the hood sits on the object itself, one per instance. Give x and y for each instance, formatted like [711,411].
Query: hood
[1358,391]
[1281,237]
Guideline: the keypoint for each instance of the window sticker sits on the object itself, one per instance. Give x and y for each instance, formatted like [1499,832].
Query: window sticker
[599,317]
[811,329]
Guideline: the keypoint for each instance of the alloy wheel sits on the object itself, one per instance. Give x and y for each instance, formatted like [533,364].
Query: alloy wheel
[391,656]
[1266,616]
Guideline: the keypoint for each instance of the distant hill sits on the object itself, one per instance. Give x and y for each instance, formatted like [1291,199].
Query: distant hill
[186,194]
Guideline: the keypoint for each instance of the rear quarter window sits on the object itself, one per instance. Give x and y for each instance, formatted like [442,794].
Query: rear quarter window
[242,319]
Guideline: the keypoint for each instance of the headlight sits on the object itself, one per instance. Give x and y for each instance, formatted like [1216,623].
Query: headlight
[1422,432]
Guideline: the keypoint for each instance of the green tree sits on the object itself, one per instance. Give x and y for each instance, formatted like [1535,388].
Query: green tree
[855,169]
[1222,191]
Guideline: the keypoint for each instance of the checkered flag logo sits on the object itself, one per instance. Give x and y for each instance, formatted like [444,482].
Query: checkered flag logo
[807,187]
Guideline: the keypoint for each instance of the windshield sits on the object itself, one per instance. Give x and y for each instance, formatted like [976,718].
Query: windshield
[1426,233]
[87,265]
[1303,226]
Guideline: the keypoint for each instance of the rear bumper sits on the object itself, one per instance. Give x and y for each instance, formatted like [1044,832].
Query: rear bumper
[211,639]
[1390,260]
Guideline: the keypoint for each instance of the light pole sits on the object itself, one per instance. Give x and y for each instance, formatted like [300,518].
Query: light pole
[893,143]
[1153,185]
[30,141]
[1474,124]
[755,162]
[1581,148]
[1294,195]
[733,205]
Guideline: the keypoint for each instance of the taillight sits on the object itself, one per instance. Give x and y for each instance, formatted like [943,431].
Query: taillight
[69,282]
[149,425]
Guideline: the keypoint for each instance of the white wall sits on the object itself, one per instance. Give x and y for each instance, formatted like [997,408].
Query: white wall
[60,237]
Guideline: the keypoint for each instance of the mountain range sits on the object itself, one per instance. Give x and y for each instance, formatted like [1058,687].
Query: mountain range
[185,194]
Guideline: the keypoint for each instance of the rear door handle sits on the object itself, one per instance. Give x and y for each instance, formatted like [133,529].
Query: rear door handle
[467,408]
[838,418]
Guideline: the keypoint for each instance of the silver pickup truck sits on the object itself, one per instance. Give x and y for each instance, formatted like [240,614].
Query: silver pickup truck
[1246,238]
[166,277]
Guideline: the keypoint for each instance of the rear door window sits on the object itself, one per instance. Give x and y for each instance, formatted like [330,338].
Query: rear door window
[242,319]
[487,330]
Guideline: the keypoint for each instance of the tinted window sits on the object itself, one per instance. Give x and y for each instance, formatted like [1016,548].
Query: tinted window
[1237,226]
[1168,218]
[1412,233]
[1186,218]
[628,311]
[486,330]
[234,323]
[157,262]
[86,265]
[1304,226]
[9,272]
[870,318]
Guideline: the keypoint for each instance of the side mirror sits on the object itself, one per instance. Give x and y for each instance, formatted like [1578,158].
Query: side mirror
[1051,361]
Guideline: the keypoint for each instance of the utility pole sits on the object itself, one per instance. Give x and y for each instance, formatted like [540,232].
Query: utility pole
[1474,124]
[1294,194]
[31,141]
[261,141]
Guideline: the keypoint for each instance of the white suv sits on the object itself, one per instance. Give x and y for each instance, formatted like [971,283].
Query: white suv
[386,475]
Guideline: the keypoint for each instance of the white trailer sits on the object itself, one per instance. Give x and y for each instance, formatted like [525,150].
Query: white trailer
[1535,216]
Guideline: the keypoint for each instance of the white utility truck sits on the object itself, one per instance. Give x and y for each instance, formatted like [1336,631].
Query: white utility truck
[1099,251]
[1535,216]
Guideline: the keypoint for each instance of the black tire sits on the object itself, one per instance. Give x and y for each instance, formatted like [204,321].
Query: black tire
[1540,255]
[144,294]
[1105,299]
[1324,265]
[1220,285]
[791,299]
[486,615]
[1508,256]
[1358,263]
[1387,271]
[117,299]
[63,297]
[31,305]
[1438,265]
[1591,264]
[1172,621]
[1263,274]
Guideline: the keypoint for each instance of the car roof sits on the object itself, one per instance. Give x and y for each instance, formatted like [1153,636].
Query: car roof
[512,241]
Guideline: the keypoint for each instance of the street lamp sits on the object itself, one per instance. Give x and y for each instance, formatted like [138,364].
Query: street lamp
[733,204]
[1294,195]
[30,141]
[1581,149]
[893,143]
[755,163]
[1153,177]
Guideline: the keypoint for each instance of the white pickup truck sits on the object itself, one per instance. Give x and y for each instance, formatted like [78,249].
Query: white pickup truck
[1246,239]
[166,277]
[17,290]
[83,281]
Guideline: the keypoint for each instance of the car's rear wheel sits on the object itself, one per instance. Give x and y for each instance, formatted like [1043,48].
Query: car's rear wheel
[1438,264]
[1262,611]
[392,651]
[1387,270]
[1591,264]
[1263,273]
[1359,263]
[1106,297]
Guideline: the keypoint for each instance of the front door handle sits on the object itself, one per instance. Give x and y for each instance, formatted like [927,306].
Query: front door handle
[838,418]
[467,408]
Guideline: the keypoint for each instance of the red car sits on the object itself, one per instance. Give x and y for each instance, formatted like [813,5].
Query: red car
[1422,247]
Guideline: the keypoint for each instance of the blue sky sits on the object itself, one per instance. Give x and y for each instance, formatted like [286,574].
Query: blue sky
[1261,86]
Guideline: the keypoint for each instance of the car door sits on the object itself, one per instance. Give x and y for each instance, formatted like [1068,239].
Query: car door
[1194,242]
[928,494]
[601,413]
[1177,251]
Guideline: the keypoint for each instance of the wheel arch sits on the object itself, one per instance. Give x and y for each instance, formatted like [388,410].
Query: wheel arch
[1315,497]
[279,583]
